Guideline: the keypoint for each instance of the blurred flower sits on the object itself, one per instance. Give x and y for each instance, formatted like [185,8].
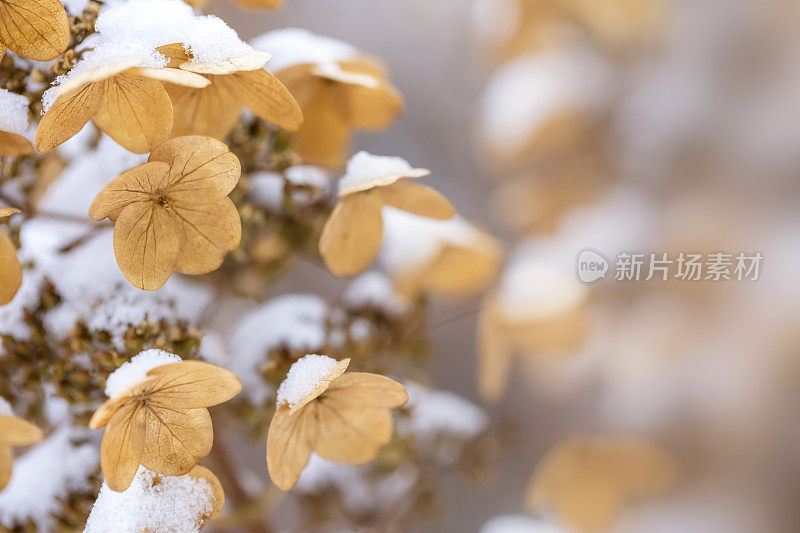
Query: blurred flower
[13,124]
[126,101]
[10,268]
[173,212]
[352,235]
[13,432]
[586,481]
[160,421]
[340,417]
[234,83]
[36,29]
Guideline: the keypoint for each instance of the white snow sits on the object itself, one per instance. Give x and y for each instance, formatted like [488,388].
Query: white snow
[5,408]
[154,503]
[517,523]
[75,7]
[532,289]
[526,92]
[135,371]
[266,190]
[374,289]
[12,316]
[13,112]
[303,376]
[296,46]
[131,31]
[43,477]
[437,412]
[292,321]
[365,171]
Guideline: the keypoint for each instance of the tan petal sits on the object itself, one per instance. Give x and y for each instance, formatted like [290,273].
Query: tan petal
[350,434]
[175,52]
[369,108]
[135,185]
[252,61]
[210,111]
[208,231]
[6,465]
[36,29]
[10,270]
[106,411]
[418,199]
[269,4]
[559,334]
[367,390]
[18,432]
[322,386]
[8,211]
[352,235]
[14,145]
[192,384]
[460,271]
[290,441]
[324,137]
[2,50]
[200,165]
[173,75]
[176,439]
[494,353]
[266,97]
[67,116]
[122,446]
[201,472]
[135,111]
[146,245]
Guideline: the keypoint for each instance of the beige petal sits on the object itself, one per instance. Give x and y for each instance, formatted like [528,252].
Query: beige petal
[10,270]
[418,199]
[369,108]
[191,385]
[36,29]
[175,439]
[210,111]
[494,353]
[198,165]
[352,235]
[350,434]
[290,441]
[6,464]
[201,472]
[172,75]
[252,61]
[175,52]
[138,184]
[94,75]
[122,446]
[559,334]
[8,211]
[208,231]
[18,432]
[2,50]
[460,271]
[106,411]
[67,116]
[266,97]
[146,245]
[14,145]
[324,137]
[367,390]
[135,111]
[269,4]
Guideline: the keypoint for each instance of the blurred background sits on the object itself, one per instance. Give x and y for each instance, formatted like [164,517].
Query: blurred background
[636,126]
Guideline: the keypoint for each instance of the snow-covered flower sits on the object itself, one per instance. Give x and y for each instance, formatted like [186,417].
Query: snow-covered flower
[13,432]
[13,124]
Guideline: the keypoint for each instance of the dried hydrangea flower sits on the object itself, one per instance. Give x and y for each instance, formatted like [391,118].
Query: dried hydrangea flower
[10,269]
[13,124]
[160,421]
[233,84]
[173,212]
[585,481]
[13,432]
[336,99]
[127,101]
[36,29]
[340,417]
[352,235]
[537,310]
